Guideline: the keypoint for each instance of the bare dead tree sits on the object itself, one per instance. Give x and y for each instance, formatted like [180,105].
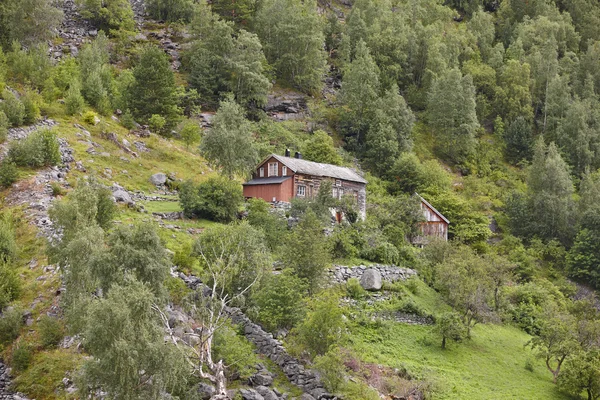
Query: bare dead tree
[209,307]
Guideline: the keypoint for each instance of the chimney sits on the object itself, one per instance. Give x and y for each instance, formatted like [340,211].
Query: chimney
[298,155]
[287,152]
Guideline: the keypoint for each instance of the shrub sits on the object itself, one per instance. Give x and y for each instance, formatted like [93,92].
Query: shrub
[354,289]
[8,173]
[409,306]
[127,120]
[236,352]
[57,190]
[3,126]
[384,252]
[184,258]
[323,326]
[90,118]
[171,11]
[13,108]
[21,357]
[51,332]
[31,109]
[190,133]
[8,244]
[39,149]
[11,322]
[74,100]
[331,367]
[218,199]
[343,242]
[156,123]
[279,301]
[10,286]
[177,290]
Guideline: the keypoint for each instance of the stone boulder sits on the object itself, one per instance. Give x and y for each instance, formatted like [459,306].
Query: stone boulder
[262,378]
[251,394]
[267,393]
[121,196]
[158,179]
[206,391]
[371,279]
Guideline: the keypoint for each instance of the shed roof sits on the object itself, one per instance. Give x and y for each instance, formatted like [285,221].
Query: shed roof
[306,167]
[267,181]
[439,214]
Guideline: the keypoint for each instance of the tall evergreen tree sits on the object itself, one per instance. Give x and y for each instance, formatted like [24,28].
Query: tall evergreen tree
[154,90]
[451,112]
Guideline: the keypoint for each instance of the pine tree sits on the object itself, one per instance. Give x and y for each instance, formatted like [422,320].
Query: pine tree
[451,113]
[229,144]
[154,90]
[518,137]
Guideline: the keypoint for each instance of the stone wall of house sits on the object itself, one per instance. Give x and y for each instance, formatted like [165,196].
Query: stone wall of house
[389,273]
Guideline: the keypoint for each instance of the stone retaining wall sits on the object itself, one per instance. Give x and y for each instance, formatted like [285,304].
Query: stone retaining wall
[307,380]
[389,273]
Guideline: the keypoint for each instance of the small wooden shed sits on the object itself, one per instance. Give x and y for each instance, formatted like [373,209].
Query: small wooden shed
[434,226]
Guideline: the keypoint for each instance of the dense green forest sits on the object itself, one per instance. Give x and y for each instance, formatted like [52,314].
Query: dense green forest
[132,267]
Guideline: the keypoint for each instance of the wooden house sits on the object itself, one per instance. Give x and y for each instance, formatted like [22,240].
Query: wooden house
[434,226]
[281,178]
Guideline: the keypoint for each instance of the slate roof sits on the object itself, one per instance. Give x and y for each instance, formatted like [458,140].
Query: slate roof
[439,214]
[267,181]
[306,167]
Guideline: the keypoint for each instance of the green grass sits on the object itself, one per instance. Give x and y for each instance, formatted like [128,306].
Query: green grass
[162,206]
[43,379]
[489,366]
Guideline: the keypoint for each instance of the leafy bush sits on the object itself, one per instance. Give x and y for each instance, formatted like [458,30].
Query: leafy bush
[343,242]
[10,285]
[21,357]
[13,108]
[177,289]
[190,133]
[51,332]
[184,258]
[323,326]
[279,301]
[354,289]
[90,118]
[409,306]
[236,352]
[8,173]
[384,252]
[31,109]
[218,199]
[127,120]
[331,367]
[3,126]
[8,244]
[74,100]
[39,149]
[11,322]
[156,123]
[57,190]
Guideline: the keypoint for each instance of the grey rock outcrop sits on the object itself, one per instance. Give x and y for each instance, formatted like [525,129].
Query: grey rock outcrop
[371,279]
[122,196]
[158,179]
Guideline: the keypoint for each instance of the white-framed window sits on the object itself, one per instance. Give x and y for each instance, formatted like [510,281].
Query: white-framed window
[261,172]
[283,170]
[338,182]
[273,169]
[301,191]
